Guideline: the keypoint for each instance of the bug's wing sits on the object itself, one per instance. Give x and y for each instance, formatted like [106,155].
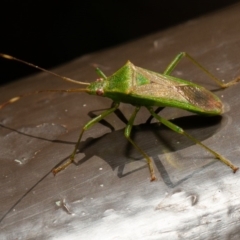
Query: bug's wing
[169,91]
[198,96]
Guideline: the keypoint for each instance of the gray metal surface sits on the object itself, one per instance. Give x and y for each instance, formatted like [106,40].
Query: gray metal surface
[107,193]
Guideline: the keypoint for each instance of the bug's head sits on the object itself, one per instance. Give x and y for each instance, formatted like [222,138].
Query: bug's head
[97,87]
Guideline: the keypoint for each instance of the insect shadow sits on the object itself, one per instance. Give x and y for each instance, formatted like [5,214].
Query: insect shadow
[154,139]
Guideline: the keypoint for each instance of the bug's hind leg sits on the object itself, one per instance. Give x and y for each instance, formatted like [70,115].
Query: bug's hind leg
[179,130]
[127,135]
[86,127]
[179,57]
[159,109]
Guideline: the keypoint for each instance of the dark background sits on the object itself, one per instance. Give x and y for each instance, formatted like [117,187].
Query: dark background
[51,33]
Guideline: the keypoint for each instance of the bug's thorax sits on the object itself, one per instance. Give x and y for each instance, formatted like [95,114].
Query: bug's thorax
[119,82]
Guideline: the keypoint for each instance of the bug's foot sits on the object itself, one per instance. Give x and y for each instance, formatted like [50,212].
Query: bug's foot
[57,170]
[235,169]
[62,166]
[235,81]
[153,178]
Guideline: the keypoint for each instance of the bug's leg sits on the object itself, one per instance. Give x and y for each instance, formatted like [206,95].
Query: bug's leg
[181,131]
[127,135]
[118,113]
[86,127]
[159,109]
[100,73]
[177,59]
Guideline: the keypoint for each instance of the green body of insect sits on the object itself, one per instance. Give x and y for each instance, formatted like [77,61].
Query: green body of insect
[141,87]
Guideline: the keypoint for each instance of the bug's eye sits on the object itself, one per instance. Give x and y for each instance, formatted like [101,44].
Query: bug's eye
[99,92]
[99,79]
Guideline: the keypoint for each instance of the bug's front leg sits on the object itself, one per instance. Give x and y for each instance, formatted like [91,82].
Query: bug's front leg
[86,127]
[127,133]
[179,130]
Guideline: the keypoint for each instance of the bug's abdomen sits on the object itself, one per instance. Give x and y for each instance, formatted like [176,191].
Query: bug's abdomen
[192,98]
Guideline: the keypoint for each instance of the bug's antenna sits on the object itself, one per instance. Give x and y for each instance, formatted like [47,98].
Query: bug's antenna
[42,69]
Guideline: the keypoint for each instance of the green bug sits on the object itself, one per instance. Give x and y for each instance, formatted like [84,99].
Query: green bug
[143,88]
